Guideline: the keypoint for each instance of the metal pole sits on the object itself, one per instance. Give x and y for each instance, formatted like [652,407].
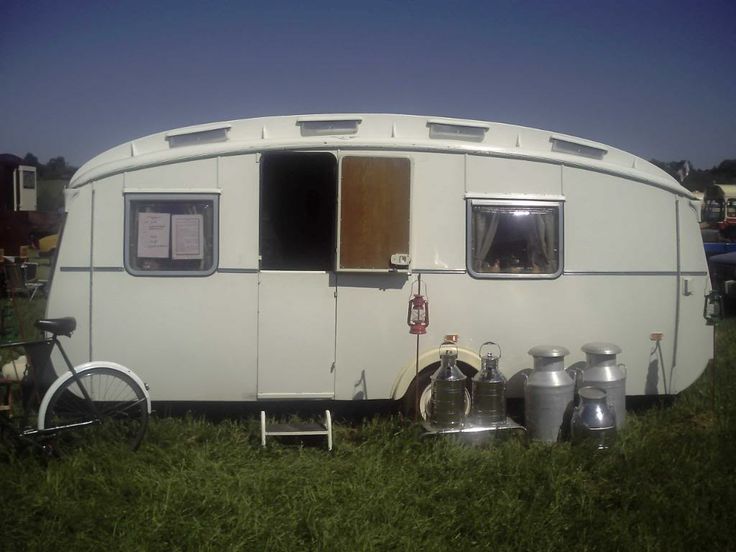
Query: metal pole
[416,384]
[713,372]
[416,363]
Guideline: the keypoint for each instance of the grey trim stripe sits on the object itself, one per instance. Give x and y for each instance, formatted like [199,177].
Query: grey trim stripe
[419,271]
[88,269]
[238,270]
[635,273]
[439,271]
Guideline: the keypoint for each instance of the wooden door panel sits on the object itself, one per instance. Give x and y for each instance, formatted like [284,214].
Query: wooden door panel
[374,211]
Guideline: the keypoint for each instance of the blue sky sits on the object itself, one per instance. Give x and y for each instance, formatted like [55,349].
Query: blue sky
[657,79]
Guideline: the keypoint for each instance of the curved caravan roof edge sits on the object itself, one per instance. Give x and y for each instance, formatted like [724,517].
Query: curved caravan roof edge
[371,131]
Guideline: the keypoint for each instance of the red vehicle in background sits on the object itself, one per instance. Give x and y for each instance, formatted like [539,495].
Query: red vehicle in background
[719,210]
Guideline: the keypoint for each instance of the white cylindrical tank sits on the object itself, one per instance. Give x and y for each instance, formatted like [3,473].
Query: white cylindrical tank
[602,371]
[548,393]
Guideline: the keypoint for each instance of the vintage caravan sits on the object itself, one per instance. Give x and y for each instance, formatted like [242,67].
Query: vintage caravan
[274,258]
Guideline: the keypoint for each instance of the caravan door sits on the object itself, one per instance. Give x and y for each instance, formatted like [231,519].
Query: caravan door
[297,289]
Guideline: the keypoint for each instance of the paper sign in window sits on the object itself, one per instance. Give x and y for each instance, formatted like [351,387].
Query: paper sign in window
[188,236]
[153,235]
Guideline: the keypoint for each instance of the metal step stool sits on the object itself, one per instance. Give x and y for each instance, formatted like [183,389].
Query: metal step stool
[296,429]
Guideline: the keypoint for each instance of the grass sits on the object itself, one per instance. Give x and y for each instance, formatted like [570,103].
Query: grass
[669,483]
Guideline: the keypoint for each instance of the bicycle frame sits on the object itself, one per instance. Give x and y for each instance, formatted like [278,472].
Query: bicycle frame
[73,373]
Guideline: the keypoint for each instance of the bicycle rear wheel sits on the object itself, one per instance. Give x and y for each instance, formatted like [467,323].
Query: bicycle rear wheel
[117,415]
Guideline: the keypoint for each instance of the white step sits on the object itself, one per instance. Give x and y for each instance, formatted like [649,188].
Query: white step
[297,429]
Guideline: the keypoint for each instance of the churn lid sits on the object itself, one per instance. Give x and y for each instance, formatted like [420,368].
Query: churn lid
[601,348]
[592,393]
[548,351]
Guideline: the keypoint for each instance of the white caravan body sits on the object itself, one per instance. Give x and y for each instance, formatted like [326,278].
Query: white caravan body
[274,258]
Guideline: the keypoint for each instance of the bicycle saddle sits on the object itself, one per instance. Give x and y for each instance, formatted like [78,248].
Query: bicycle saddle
[58,326]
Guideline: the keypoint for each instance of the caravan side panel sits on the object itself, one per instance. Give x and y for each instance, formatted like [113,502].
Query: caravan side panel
[499,177]
[695,339]
[72,277]
[373,339]
[616,225]
[188,337]
[621,254]
[438,211]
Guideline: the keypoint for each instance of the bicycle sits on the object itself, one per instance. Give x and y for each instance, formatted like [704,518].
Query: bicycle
[98,397]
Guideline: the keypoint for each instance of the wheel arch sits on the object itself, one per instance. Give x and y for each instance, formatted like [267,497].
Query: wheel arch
[465,357]
[80,370]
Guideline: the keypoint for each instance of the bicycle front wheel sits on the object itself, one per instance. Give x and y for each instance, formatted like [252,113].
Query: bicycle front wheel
[115,413]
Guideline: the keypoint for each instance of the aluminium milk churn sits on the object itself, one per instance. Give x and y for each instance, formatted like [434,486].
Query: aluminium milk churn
[447,405]
[593,420]
[601,371]
[549,392]
[489,390]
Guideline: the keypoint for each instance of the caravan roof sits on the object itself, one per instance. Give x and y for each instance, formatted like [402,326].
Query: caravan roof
[371,131]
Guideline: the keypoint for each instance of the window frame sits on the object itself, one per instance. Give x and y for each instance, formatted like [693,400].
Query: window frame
[176,196]
[730,209]
[520,203]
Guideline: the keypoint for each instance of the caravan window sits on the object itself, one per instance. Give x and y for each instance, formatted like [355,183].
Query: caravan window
[29,180]
[171,234]
[514,239]
[731,208]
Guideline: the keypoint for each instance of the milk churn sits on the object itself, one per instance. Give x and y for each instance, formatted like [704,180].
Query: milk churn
[489,390]
[601,371]
[548,393]
[447,406]
[593,420]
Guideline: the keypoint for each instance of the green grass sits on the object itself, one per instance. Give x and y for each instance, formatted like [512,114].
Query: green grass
[668,484]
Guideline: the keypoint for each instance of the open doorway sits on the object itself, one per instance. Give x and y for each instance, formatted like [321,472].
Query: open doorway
[298,211]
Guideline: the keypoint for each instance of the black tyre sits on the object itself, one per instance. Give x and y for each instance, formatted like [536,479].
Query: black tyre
[119,411]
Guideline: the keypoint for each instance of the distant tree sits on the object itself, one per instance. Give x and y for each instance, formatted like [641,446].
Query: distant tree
[56,168]
[725,171]
[673,168]
[31,160]
[692,179]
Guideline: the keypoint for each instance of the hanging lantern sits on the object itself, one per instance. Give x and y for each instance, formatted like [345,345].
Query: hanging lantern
[713,308]
[418,314]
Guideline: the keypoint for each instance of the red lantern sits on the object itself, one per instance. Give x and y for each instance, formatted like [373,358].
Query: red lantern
[418,314]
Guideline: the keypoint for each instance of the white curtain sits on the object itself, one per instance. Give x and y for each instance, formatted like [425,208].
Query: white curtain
[541,241]
[485,225]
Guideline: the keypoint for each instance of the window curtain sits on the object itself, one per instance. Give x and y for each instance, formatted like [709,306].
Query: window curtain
[485,226]
[541,241]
